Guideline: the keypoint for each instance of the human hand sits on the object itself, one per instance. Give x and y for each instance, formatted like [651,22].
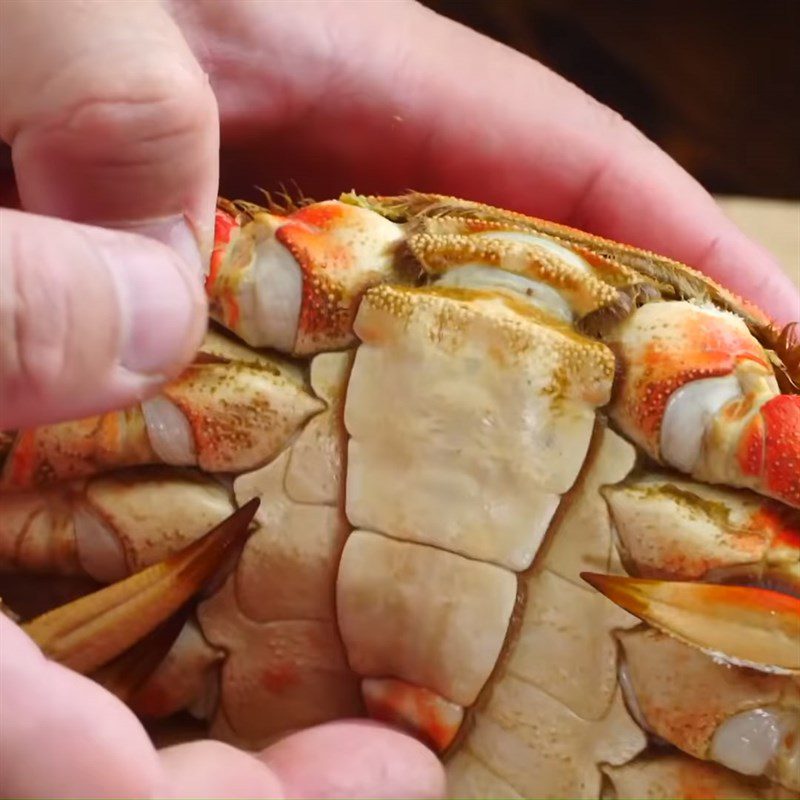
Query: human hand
[111,121]
[61,735]
[388,96]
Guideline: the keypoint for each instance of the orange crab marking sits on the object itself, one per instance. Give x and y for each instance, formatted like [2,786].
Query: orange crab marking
[750,454]
[782,445]
[110,433]
[153,701]
[224,223]
[750,597]
[418,710]
[713,616]
[324,306]
[279,678]
[323,216]
[703,347]
[779,523]
[789,538]
[232,311]
[23,459]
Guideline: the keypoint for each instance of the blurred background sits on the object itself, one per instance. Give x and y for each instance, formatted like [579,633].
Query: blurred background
[713,82]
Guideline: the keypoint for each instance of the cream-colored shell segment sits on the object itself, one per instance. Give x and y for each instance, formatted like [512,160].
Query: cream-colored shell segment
[540,747]
[421,614]
[533,257]
[288,566]
[469,419]
[315,471]
[565,645]
[583,540]
[277,676]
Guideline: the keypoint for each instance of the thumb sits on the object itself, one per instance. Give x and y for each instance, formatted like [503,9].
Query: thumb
[89,318]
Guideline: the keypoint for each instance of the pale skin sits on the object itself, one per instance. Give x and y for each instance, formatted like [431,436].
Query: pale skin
[113,111]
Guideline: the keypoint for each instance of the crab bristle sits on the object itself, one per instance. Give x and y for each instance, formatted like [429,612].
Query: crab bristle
[283,201]
[759,628]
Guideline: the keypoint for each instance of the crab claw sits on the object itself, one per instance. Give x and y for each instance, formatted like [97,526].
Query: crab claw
[752,627]
[88,633]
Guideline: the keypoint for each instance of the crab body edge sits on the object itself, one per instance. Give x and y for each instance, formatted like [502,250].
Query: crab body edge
[461,423]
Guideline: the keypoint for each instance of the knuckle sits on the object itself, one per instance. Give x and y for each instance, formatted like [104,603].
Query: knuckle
[33,320]
[159,110]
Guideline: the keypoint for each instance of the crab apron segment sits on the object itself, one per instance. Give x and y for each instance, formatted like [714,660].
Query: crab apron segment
[448,413]
[492,410]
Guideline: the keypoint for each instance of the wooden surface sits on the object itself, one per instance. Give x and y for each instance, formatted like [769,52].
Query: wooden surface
[773,223]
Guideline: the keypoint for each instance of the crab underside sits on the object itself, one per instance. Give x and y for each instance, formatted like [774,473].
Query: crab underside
[423,433]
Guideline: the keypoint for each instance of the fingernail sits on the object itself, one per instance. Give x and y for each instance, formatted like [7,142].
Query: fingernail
[175,232]
[161,304]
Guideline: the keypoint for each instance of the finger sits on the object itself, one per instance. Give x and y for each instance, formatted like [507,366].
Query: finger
[90,319]
[208,769]
[62,735]
[352,759]
[447,110]
[110,118]
[355,759]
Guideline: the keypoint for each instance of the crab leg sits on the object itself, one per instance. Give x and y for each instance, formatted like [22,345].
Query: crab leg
[109,526]
[746,720]
[691,687]
[227,412]
[93,630]
[676,775]
[742,624]
[675,529]
[698,394]
[293,281]
[124,675]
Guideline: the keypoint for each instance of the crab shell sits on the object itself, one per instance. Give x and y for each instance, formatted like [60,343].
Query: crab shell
[444,420]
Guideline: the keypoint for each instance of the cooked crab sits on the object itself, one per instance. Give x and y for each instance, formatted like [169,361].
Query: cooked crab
[460,423]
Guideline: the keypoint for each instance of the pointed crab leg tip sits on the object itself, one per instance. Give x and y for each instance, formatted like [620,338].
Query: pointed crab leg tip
[232,528]
[125,675]
[625,592]
[596,579]
[249,508]
[88,633]
[746,625]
